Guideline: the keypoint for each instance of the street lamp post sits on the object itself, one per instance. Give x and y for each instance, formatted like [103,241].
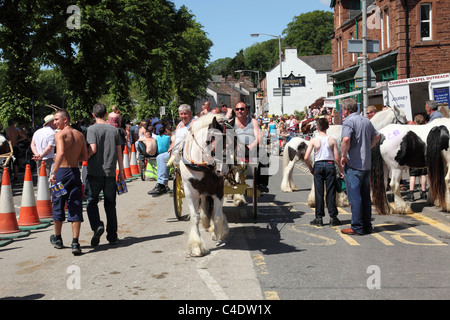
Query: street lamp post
[255,35]
[257,85]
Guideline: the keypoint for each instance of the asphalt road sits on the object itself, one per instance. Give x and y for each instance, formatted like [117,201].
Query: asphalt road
[277,256]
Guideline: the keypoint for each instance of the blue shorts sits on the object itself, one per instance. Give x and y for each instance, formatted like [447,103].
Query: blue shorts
[70,178]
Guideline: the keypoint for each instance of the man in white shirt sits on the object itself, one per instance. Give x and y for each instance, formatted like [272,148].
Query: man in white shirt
[43,144]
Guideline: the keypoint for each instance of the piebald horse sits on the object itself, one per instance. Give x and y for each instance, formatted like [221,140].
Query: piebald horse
[202,170]
[295,150]
[414,146]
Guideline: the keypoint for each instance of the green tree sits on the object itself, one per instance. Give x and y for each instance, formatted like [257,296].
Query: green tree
[18,53]
[309,32]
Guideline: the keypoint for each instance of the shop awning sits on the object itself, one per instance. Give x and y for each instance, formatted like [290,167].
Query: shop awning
[349,94]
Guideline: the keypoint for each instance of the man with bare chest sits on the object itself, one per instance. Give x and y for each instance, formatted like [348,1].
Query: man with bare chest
[70,149]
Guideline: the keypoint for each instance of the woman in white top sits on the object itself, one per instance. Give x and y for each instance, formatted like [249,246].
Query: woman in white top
[326,154]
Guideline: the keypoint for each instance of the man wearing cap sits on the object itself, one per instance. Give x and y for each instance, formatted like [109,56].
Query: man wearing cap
[43,144]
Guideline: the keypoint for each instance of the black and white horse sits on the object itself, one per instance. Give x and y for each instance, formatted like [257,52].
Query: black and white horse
[414,146]
[295,151]
[202,169]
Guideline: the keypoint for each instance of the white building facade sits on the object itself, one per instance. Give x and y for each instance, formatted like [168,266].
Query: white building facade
[305,79]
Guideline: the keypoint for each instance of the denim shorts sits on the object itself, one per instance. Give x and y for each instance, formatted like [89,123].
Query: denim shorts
[70,178]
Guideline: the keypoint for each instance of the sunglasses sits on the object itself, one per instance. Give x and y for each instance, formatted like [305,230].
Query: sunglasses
[240,109]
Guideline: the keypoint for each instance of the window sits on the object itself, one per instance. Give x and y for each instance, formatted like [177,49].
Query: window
[385,32]
[425,21]
[388,35]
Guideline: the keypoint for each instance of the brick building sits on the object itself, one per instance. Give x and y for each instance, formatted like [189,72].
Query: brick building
[414,42]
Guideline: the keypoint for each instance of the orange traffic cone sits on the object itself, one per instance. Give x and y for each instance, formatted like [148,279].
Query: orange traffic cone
[133,163]
[43,198]
[28,217]
[83,177]
[8,221]
[126,164]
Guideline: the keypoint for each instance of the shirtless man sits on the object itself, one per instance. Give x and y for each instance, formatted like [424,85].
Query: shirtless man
[206,108]
[70,149]
[150,144]
[15,136]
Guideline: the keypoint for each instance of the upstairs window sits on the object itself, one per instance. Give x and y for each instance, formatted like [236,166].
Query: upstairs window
[425,22]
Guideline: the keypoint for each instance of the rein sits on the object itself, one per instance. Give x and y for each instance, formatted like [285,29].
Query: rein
[210,161]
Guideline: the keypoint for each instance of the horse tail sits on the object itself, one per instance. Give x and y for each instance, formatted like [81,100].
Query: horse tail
[377,182]
[437,140]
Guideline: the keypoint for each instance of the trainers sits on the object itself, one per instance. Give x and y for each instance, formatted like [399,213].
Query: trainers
[76,249]
[423,195]
[157,189]
[57,243]
[161,190]
[317,222]
[96,237]
[334,222]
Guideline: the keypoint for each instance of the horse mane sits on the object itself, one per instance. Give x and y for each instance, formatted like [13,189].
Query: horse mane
[205,121]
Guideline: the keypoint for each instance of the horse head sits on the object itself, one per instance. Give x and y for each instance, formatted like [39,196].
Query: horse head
[392,115]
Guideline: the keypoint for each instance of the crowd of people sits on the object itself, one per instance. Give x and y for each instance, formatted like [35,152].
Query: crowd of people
[63,147]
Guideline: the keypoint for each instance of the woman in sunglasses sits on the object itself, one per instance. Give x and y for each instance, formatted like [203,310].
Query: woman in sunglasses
[249,137]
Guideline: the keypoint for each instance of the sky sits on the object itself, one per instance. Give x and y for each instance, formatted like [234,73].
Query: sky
[229,23]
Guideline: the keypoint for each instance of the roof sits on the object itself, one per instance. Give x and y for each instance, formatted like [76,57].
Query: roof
[217,90]
[318,63]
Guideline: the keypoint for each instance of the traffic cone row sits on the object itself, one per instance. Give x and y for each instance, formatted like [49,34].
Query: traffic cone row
[9,228]
[36,212]
[28,217]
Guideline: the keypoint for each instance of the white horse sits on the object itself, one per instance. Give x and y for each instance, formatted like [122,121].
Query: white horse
[295,150]
[414,146]
[203,182]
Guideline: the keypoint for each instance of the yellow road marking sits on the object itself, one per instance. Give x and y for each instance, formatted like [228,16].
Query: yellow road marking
[431,222]
[346,237]
[271,295]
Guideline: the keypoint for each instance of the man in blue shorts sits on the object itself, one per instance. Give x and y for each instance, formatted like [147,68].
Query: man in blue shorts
[70,149]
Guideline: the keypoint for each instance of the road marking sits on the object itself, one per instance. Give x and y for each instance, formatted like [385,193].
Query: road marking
[260,264]
[346,237]
[210,282]
[381,239]
[400,236]
[431,222]
[271,295]
[326,241]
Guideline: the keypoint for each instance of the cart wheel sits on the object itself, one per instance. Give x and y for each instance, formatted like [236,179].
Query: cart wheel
[178,195]
[255,194]
[142,167]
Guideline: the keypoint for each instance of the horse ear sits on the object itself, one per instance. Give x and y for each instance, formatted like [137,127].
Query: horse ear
[214,124]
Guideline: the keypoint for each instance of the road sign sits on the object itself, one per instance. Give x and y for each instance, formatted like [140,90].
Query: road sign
[371,78]
[277,92]
[355,46]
